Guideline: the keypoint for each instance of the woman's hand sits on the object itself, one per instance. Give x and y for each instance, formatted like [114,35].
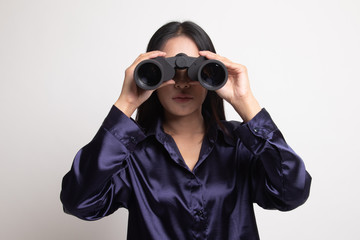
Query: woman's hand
[237,88]
[132,96]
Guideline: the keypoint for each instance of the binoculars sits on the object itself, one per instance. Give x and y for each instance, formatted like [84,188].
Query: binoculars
[151,73]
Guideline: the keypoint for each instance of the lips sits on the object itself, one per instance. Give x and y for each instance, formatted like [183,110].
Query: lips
[182,98]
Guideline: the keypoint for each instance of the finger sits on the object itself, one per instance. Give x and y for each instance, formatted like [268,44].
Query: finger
[211,55]
[214,56]
[148,55]
[152,54]
[208,54]
[231,66]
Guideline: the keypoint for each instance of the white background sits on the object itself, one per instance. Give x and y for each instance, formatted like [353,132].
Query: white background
[61,68]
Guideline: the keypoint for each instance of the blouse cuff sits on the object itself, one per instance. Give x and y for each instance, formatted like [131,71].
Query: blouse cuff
[257,130]
[123,128]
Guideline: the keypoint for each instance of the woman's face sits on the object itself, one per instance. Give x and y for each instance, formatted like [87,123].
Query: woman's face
[185,97]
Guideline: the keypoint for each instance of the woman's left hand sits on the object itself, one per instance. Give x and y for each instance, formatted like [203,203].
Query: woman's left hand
[237,88]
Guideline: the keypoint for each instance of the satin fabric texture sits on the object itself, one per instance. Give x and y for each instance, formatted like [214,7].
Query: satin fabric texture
[123,166]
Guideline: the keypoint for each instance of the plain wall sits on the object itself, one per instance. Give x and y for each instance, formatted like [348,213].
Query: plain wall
[61,68]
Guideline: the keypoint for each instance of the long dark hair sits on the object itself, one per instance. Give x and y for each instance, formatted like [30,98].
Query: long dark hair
[213,106]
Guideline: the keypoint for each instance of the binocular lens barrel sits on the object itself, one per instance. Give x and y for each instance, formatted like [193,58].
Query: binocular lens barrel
[149,75]
[212,76]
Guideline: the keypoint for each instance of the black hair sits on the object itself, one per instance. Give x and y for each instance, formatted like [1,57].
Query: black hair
[213,106]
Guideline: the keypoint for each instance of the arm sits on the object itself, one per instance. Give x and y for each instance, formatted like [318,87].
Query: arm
[278,175]
[279,178]
[98,182]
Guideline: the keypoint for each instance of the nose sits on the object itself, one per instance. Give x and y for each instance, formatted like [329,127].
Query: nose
[182,81]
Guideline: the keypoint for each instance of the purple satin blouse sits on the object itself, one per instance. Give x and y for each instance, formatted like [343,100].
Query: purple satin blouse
[145,173]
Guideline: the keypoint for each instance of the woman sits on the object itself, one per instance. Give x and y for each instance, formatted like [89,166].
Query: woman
[181,170]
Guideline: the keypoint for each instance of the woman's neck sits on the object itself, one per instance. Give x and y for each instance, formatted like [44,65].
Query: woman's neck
[184,125]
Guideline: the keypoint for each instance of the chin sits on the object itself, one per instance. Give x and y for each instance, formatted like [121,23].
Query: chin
[181,112]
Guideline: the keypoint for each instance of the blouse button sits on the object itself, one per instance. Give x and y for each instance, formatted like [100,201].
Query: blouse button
[200,213]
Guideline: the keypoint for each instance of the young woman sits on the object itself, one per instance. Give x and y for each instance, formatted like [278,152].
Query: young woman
[181,169]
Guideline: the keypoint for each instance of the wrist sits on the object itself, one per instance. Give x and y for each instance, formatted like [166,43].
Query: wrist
[246,106]
[125,106]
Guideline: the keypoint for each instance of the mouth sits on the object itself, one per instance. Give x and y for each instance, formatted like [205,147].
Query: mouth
[182,98]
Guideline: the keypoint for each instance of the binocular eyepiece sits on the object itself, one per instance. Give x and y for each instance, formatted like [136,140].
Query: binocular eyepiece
[150,73]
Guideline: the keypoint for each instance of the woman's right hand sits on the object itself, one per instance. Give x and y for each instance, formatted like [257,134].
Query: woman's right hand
[131,96]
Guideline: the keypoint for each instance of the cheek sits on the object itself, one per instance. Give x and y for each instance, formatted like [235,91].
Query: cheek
[163,95]
[202,93]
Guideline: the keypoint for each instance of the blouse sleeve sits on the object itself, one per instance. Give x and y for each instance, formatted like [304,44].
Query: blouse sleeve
[279,179]
[98,182]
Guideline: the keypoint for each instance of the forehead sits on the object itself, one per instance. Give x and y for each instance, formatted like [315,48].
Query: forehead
[180,44]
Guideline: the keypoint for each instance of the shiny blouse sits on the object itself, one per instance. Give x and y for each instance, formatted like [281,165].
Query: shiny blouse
[123,166]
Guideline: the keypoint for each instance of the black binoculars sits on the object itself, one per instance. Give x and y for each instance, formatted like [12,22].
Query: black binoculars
[150,73]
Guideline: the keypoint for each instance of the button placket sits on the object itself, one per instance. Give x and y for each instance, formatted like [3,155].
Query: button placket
[197,206]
